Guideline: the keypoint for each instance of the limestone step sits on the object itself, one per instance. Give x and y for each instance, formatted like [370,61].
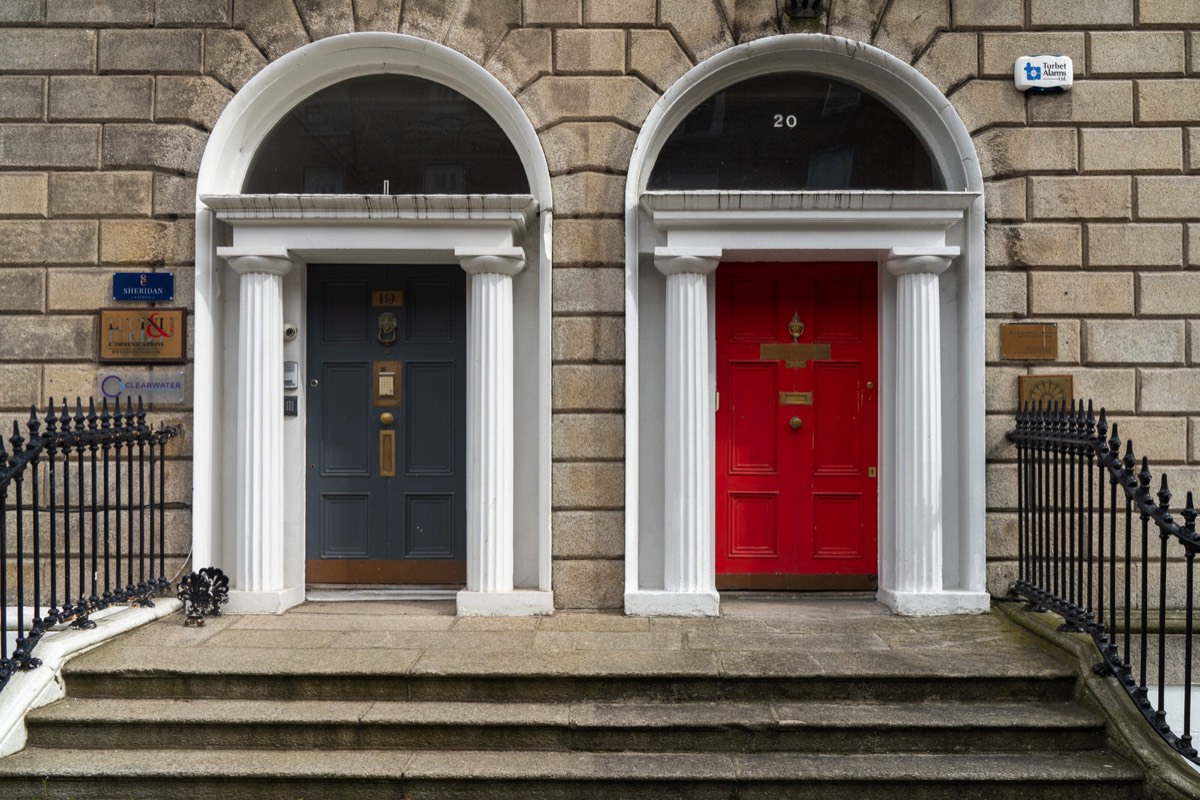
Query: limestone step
[847,727]
[534,775]
[553,688]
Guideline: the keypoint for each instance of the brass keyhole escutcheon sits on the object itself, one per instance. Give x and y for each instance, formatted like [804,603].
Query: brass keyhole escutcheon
[795,423]
[387,418]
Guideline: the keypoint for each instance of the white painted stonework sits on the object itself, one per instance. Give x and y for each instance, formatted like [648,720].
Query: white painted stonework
[688,456]
[931,544]
[251,521]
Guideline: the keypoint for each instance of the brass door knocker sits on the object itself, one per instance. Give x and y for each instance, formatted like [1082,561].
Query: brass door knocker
[387,328]
[796,327]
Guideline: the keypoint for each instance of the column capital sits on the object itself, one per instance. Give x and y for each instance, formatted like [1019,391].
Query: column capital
[265,261]
[920,260]
[498,260]
[693,260]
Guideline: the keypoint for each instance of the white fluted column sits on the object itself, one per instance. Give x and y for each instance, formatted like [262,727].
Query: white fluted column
[490,463]
[690,548]
[917,547]
[259,574]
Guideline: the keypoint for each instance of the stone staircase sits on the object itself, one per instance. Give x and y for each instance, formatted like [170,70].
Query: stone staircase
[484,728]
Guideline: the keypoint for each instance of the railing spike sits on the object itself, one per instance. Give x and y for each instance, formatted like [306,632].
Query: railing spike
[16,440]
[91,417]
[3,453]
[34,425]
[1164,495]
[1144,476]
[105,417]
[1189,517]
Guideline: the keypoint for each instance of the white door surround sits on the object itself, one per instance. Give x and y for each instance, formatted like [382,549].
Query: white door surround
[929,248]
[250,521]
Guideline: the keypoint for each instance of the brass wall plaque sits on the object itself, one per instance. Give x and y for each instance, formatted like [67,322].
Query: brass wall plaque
[1029,341]
[1045,389]
[796,355]
[387,454]
[387,383]
[143,334]
[795,398]
[387,299]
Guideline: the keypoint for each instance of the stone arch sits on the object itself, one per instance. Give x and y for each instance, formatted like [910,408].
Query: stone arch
[960,584]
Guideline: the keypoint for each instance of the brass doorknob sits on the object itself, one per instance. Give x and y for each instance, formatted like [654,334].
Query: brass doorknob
[386,418]
[795,422]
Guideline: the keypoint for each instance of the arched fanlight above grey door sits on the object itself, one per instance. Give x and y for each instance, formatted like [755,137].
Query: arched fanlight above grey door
[419,136]
[793,132]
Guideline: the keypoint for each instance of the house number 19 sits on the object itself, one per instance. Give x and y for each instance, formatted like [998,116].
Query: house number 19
[782,121]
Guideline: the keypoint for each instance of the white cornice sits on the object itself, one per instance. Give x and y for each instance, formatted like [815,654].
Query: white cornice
[518,208]
[699,209]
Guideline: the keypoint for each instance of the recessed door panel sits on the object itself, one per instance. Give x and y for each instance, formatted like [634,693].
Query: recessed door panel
[837,433]
[341,319]
[432,310]
[751,311]
[345,445]
[837,526]
[754,531]
[429,520]
[386,424]
[753,448]
[430,419]
[796,425]
[345,521]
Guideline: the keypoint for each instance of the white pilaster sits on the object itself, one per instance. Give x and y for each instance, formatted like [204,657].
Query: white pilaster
[258,575]
[490,463]
[916,550]
[690,557]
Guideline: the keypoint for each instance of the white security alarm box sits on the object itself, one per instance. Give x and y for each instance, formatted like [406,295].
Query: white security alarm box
[1043,73]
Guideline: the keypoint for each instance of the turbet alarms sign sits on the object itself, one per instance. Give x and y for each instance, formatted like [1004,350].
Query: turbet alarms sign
[1043,73]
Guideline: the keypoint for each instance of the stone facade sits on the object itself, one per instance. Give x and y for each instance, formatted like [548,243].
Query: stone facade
[1092,196]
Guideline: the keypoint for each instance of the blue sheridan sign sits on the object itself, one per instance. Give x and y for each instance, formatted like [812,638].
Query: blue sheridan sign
[148,287]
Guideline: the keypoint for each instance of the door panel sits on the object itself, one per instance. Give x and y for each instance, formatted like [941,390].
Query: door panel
[753,449]
[345,438]
[344,523]
[429,419]
[386,486]
[753,522]
[796,425]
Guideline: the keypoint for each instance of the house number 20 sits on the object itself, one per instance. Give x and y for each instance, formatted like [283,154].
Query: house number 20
[782,121]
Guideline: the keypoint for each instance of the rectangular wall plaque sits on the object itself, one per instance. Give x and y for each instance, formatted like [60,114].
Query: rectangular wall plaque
[142,335]
[1045,389]
[119,384]
[1029,341]
[147,287]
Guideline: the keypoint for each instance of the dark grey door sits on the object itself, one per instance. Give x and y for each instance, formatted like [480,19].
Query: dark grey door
[386,441]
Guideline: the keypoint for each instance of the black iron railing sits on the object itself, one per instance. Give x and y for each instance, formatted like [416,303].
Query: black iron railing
[1086,531]
[82,521]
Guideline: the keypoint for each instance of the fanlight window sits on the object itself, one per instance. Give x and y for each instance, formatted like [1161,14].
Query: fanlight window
[408,134]
[793,132]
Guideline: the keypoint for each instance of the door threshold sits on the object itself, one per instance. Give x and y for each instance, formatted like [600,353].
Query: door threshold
[332,593]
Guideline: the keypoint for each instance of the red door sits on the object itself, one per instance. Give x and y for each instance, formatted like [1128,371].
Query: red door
[797,426]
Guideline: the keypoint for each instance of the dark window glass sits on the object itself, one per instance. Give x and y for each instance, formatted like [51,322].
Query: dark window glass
[789,132]
[419,136]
